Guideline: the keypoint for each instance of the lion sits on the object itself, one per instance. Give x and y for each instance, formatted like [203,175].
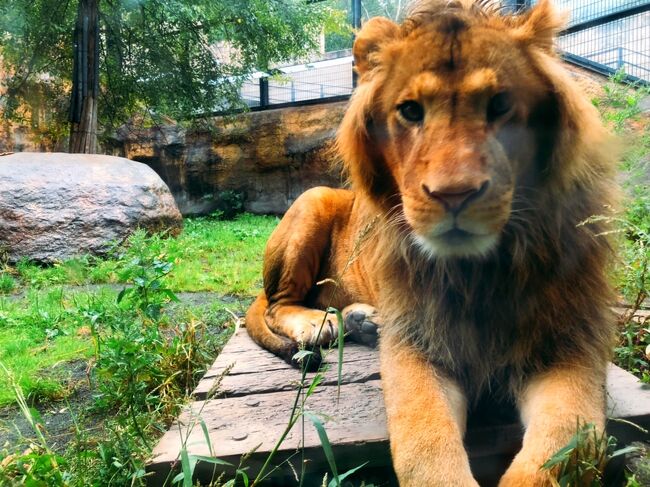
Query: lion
[474,166]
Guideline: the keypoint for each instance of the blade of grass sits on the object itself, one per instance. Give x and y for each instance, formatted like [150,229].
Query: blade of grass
[327,447]
[345,475]
[341,341]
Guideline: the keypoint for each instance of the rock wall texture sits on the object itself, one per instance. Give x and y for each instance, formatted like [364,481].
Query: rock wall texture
[271,157]
[55,206]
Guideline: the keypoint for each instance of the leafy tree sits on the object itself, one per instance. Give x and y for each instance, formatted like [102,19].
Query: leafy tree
[392,9]
[336,40]
[101,62]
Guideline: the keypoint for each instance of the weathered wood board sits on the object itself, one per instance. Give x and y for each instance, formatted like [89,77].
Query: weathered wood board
[254,399]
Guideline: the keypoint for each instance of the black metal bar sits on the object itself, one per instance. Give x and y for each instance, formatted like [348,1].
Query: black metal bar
[264,92]
[274,106]
[356,24]
[356,14]
[605,19]
[601,68]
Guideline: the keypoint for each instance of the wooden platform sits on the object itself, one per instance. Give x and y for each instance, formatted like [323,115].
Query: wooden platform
[254,401]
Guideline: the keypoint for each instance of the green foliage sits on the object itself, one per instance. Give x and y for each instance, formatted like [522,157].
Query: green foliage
[146,272]
[231,203]
[38,464]
[620,102]
[633,350]
[582,462]
[7,282]
[148,357]
[620,108]
[157,58]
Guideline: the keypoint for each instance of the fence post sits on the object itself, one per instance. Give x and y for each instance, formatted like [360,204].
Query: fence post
[264,91]
[356,24]
[619,62]
[356,14]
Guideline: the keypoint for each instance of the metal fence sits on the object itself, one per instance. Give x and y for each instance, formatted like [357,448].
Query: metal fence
[318,80]
[608,35]
[602,35]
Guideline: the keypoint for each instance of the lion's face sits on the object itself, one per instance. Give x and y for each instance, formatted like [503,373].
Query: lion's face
[453,117]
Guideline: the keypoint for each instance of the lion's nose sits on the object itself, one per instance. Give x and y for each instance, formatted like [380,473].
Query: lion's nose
[456,198]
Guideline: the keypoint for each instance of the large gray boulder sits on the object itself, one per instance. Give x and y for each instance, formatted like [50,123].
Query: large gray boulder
[55,206]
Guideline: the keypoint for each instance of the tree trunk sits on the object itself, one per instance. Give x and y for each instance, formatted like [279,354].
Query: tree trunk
[85,79]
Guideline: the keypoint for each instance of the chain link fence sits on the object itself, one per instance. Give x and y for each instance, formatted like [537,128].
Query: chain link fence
[608,35]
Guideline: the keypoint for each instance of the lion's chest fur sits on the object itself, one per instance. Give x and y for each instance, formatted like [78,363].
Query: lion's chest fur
[475,338]
[490,323]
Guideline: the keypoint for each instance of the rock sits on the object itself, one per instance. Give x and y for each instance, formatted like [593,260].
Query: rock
[54,206]
[270,157]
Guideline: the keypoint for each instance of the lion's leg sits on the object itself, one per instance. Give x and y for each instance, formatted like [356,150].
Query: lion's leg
[426,420]
[552,405]
[295,254]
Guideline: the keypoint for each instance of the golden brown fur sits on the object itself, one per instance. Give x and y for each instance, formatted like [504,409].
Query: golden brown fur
[476,158]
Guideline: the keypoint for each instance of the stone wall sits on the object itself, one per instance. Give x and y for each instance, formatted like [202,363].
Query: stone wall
[270,156]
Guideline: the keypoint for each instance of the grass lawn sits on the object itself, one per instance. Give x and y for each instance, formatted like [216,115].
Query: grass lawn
[209,255]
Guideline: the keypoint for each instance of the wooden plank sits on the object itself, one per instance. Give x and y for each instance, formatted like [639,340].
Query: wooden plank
[238,425]
[259,391]
[255,370]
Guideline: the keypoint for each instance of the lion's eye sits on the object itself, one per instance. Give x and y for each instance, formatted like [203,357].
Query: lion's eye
[411,111]
[499,105]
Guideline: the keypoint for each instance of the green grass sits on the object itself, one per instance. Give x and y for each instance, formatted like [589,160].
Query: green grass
[40,332]
[48,325]
[209,255]
[620,108]
[223,257]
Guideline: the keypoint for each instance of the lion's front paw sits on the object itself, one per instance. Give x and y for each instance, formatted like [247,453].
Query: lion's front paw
[361,323]
[313,327]
[529,475]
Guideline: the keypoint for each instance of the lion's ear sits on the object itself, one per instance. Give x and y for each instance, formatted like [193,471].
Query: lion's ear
[540,26]
[369,38]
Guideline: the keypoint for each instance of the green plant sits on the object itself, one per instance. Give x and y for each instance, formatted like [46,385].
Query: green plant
[621,101]
[582,462]
[633,351]
[230,203]
[620,106]
[38,464]
[7,282]
[146,270]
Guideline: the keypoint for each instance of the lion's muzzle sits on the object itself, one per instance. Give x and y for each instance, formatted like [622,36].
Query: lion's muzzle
[454,199]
